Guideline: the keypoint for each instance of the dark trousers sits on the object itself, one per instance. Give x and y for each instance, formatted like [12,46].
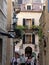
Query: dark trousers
[22,63]
[28,63]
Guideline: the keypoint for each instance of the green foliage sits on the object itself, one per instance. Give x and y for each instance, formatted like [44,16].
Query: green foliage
[18,33]
[33,54]
[21,27]
[40,33]
[33,26]
[19,30]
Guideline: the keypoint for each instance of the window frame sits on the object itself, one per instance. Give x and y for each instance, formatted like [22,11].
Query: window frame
[28,7]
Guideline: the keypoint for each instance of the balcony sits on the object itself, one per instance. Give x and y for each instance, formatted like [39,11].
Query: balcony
[32,29]
[25,29]
[28,43]
[34,7]
[28,30]
[31,43]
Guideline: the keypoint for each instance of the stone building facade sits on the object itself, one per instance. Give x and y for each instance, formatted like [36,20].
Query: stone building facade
[44,20]
[9,48]
[6,44]
[29,15]
[3,22]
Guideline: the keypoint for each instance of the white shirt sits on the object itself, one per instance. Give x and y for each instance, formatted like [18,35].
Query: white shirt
[32,61]
[26,59]
[18,61]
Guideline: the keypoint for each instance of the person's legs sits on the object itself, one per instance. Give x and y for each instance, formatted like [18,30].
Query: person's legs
[22,63]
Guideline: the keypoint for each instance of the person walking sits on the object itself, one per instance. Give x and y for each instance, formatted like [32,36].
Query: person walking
[32,61]
[26,58]
[22,59]
[35,61]
[15,59]
[28,62]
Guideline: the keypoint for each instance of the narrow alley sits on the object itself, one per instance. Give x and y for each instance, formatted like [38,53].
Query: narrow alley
[24,32]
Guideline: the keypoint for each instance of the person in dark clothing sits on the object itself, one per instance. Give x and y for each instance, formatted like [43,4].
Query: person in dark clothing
[35,61]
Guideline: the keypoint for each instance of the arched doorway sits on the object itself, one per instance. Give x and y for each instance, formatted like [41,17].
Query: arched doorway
[28,51]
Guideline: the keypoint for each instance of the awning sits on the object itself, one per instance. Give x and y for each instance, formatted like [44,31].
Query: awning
[7,34]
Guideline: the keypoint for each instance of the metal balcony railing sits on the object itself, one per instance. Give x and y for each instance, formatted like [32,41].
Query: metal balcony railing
[31,30]
[28,30]
[28,43]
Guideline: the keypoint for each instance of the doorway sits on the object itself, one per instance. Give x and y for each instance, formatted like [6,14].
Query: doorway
[28,51]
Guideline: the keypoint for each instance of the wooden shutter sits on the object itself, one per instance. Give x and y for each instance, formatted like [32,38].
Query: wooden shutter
[32,21]
[23,22]
[23,39]
[33,39]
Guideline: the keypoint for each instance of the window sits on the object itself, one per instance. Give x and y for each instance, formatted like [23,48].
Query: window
[27,22]
[19,1]
[28,7]
[0,50]
[28,39]
[48,5]
[26,1]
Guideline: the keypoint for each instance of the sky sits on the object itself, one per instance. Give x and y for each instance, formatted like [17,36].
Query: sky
[42,1]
